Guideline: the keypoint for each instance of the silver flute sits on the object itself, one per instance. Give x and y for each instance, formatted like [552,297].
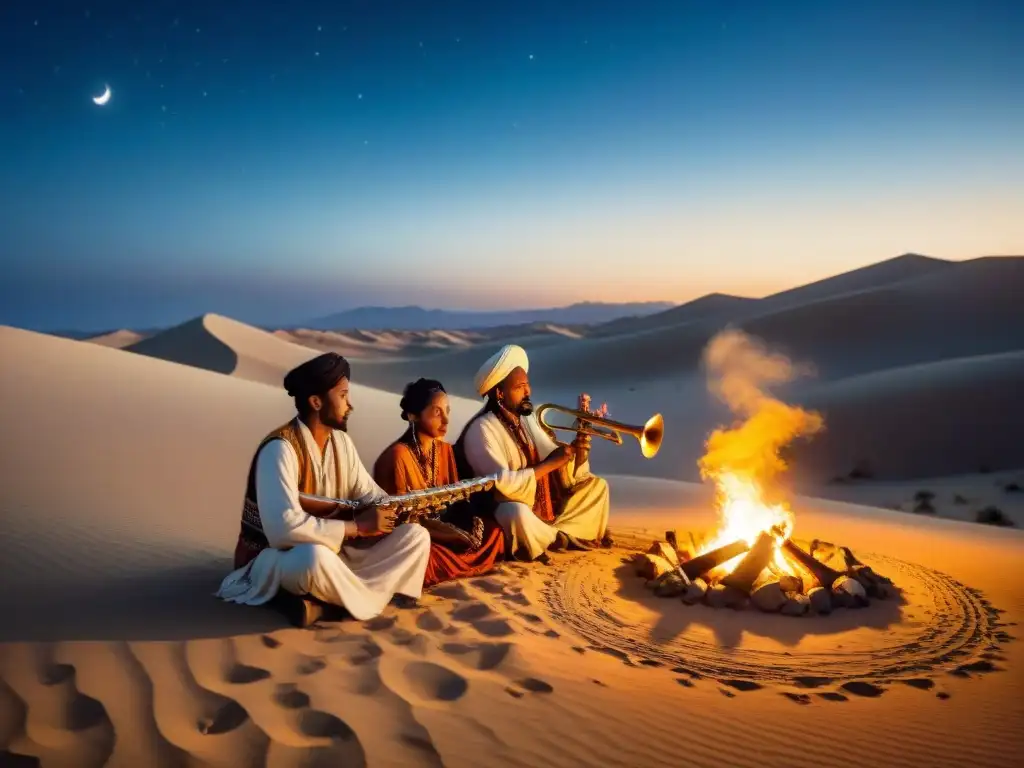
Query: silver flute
[414,504]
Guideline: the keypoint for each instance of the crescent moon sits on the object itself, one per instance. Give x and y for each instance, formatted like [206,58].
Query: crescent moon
[101,100]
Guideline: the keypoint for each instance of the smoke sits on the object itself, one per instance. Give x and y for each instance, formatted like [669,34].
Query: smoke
[739,370]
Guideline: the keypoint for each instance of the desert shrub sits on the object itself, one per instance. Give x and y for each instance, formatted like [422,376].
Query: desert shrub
[1012,488]
[993,516]
[958,499]
[924,508]
[861,471]
[923,496]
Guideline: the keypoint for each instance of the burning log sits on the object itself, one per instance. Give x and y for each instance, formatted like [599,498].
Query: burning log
[745,574]
[651,567]
[701,564]
[875,584]
[666,552]
[824,575]
[681,554]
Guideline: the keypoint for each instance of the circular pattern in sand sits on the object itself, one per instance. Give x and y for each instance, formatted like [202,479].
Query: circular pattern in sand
[936,626]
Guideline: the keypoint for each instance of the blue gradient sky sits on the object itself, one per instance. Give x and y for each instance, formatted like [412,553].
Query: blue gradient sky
[278,161]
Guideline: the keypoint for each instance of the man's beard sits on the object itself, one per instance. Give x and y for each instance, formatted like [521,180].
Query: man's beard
[525,407]
[339,424]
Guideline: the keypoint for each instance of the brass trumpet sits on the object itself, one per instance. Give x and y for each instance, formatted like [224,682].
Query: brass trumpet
[649,435]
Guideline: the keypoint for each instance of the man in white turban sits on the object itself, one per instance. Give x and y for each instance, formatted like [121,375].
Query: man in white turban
[546,501]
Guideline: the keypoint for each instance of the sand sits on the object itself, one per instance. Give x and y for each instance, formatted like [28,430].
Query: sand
[120,495]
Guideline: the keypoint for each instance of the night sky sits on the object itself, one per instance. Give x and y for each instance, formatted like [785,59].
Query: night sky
[276,161]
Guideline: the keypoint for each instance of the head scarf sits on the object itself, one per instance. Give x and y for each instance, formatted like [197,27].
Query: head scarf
[316,376]
[499,366]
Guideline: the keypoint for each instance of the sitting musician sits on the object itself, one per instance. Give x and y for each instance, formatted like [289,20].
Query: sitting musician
[461,544]
[288,549]
[551,504]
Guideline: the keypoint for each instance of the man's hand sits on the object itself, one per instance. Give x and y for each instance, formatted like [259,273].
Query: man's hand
[561,456]
[375,520]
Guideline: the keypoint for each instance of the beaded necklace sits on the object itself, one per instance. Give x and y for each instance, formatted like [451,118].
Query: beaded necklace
[429,466]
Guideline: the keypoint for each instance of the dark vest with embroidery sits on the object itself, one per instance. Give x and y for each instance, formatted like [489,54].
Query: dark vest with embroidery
[251,539]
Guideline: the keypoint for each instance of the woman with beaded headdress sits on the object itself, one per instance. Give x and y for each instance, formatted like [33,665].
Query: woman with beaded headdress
[461,544]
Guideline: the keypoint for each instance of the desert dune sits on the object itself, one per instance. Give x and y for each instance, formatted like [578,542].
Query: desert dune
[120,510]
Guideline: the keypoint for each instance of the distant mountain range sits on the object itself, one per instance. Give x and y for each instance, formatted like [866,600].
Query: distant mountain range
[420,319]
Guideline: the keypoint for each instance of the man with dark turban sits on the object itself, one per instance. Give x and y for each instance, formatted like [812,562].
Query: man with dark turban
[546,501]
[291,549]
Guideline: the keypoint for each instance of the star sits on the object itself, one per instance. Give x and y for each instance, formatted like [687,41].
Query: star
[360,96]
[319,28]
[317,53]
[531,57]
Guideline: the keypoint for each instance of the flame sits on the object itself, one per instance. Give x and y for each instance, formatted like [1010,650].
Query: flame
[744,515]
[743,460]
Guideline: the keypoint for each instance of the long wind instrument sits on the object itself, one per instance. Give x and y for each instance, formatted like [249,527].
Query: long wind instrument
[409,507]
[597,424]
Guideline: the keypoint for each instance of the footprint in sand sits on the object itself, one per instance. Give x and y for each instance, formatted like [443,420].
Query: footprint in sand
[742,685]
[290,697]
[310,665]
[429,621]
[921,683]
[80,712]
[227,718]
[380,623]
[832,696]
[452,592]
[799,698]
[651,663]
[270,642]
[518,599]
[965,670]
[494,628]
[812,682]
[433,682]
[324,725]
[535,685]
[472,612]
[482,656]
[685,682]
[241,674]
[860,688]
[491,586]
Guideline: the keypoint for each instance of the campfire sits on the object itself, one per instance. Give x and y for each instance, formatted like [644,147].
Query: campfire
[751,557]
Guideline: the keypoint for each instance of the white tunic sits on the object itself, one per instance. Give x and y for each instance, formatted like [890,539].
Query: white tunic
[490,448]
[306,553]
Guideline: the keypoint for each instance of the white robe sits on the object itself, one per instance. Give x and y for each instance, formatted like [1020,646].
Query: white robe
[306,553]
[490,448]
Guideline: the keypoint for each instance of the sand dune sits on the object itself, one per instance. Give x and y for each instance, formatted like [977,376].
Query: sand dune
[115,652]
[926,420]
[117,339]
[951,338]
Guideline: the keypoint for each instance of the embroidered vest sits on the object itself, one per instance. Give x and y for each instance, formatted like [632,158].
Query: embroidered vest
[251,539]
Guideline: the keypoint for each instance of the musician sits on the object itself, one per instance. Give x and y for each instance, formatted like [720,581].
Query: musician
[287,549]
[461,544]
[549,504]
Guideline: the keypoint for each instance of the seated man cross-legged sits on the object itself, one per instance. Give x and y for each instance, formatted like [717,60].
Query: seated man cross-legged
[288,550]
[547,502]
